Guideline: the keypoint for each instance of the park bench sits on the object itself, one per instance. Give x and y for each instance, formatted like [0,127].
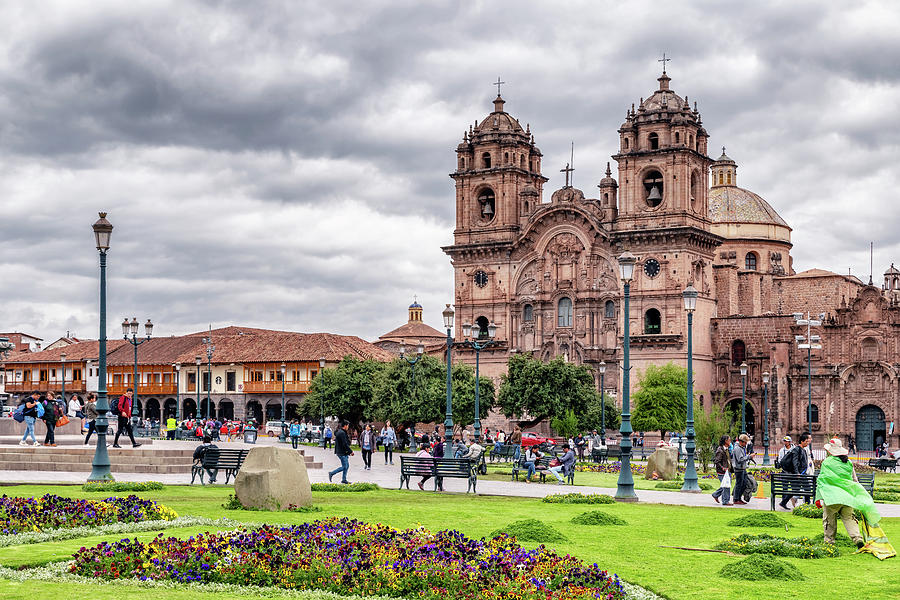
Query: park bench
[505,452]
[222,459]
[542,469]
[884,464]
[790,484]
[867,480]
[438,469]
[601,455]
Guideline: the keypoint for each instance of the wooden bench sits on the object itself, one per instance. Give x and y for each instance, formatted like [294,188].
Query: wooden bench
[542,469]
[601,455]
[867,480]
[222,459]
[884,464]
[506,452]
[438,469]
[789,484]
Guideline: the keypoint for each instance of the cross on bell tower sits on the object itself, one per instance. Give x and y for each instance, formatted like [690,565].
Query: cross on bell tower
[567,170]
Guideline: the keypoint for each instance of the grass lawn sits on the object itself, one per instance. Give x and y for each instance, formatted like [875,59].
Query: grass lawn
[633,552]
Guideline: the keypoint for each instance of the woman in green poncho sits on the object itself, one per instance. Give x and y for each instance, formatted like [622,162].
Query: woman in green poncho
[838,492]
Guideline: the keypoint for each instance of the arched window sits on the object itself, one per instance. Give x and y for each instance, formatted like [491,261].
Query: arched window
[728,177]
[522,161]
[814,417]
[695,185]
[528,313]
[626,143]
[652,321]
[677,138]
[609,309]
[482,324]
[653,188]
[462,163]
[690,140]
[487,203]
[721,178]
[750,261]
[738,353]
[564,314]
[653,140]
[506,158]
[606,199]
[526,207]
[486,160]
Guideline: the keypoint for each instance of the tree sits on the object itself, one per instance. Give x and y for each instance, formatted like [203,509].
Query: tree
[566,426]
[592,420]
[541,390]
[660,401]
[710,425]
[346,391]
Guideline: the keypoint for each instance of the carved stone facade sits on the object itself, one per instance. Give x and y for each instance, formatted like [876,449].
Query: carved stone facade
[546,274]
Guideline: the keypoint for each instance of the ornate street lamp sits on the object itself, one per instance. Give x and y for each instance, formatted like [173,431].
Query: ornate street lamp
[467,331]
[321,398]
[198,361]
[420,350]
[743,397]
[132,328]
[209,353]
[625,485]
[809,342]
[690,471]
[448,420]
[177,368]
[765,377]
[283,436]
[100,464]
[601,368]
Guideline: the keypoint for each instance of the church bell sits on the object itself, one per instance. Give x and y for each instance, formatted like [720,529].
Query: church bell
[487,210]
[654,196]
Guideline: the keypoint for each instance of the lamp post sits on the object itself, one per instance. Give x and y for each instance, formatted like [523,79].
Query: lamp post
[601,368]
[209,352]
[282,437]
[809,342]
[420,349]
[177,369]
[132,328]
[321,398]
[743,397]
[62,359]
[765,377]
[690,471]
[448,420]
[467,331]
[100,463]
[5,348]
[199,362]
[625,485]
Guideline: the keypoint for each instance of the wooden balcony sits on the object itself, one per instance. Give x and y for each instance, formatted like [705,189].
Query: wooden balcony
[19,387]
[143,389]
[274,387]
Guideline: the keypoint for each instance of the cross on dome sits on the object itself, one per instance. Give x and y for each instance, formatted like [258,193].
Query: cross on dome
[498,83]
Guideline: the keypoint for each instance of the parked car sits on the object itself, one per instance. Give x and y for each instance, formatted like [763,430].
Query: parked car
[273,428]
[530,438]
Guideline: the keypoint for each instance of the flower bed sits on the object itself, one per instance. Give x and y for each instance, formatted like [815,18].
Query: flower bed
[346,556]
[18,515]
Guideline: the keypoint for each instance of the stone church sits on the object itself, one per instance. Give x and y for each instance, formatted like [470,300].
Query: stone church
[545,272]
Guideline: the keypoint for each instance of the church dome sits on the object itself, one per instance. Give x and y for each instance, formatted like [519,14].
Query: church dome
[499,121]
[731,204]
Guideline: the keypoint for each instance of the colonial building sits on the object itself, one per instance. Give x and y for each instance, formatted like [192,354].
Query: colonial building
[412,334]
[546,273]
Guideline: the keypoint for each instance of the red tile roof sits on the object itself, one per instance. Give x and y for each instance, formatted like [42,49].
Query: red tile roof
[78,352]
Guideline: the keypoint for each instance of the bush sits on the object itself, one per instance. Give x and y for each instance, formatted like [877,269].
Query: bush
[232,503]
[676,485]
[887,497]
[122,486]
[811,512]
[760,567]
[800,547]
[598,517]
[345,487]
[530,530]
[576,498]
[759,519]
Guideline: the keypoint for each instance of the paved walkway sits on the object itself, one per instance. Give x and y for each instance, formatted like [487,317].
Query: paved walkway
[388,476]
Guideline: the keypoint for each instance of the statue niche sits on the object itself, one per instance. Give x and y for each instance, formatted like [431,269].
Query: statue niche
[564,255]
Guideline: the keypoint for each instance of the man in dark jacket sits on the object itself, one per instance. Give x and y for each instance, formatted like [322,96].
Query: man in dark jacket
[795,462]
[124,423]
[343,452]
[739,468]
[201,452]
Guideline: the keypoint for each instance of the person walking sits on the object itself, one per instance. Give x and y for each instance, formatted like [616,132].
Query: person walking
[565,466]
[366,444]
[51,415]
[838,492]
[30,412]
[722,462]
[295,433]
[124,421]
[343,451]
[739,461]
[327,434]
[389,439]
[90,415]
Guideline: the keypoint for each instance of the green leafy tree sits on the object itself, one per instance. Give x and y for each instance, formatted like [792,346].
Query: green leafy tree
[567,425]
[346,391]
[660,400]
[709,426]
[592,420]
[545,390]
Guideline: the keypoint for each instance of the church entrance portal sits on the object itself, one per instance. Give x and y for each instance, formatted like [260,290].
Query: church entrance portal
[869,427]
[733,408]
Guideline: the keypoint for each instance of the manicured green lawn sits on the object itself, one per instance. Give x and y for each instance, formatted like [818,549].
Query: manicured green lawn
[634,552]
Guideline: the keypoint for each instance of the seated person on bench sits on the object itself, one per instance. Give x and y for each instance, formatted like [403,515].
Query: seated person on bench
[201,451]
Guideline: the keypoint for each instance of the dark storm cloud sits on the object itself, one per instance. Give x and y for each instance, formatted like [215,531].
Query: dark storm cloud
[284,164]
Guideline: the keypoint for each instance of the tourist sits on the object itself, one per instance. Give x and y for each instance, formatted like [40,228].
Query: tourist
[532,456]
[327,434]
[52,414]
[366,444]
[343,451]
[124,422]
[722,462]
[566,464]
[739,461]
[294,432]
[474,452]
[200,453]
[580,445]
[91,414]
[515,439]
[851,444]
[437,450]
[459,448]
[796,461]
[75,411]
[749,451]
[423,453]
[389,439]
[596,441]
[171,426]
[838,492]
[30,412]
[786,464]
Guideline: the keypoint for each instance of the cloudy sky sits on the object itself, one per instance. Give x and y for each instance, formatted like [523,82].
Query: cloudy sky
[284,164]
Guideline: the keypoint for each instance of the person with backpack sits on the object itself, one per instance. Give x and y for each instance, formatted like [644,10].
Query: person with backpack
[797,462]
[123,410]
[28,408]
[52,413]
[343,451]
[90,415]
